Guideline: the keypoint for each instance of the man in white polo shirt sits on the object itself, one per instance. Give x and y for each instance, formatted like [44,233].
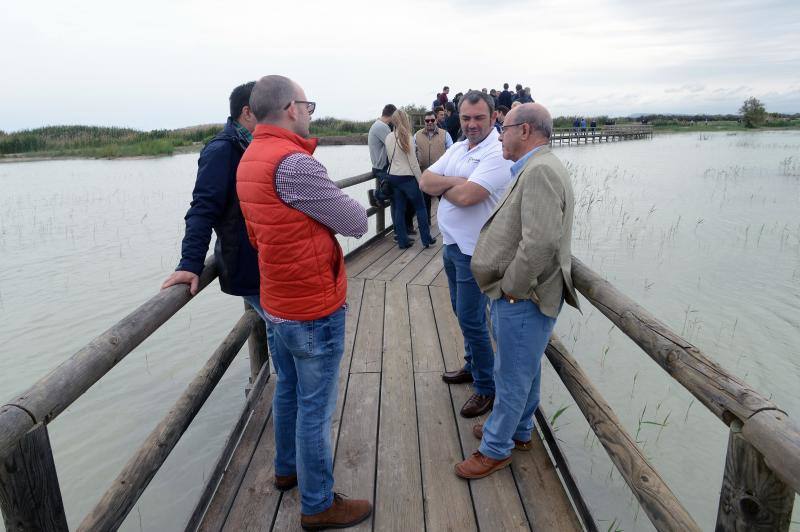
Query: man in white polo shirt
[471,177]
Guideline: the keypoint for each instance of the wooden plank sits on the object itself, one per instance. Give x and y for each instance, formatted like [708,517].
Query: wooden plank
[431,270]
[405,258]
[367,352]
[385,260]
[450,337]
[752,497]
[236,470]
[357,262]
[546,503]
[441,279]
[355,292]
[234,467]
[398,493]
[496,500]
[257,499]
[424,337]
[448,505]
[410,270]
[354,467]
[288,515]
[30,496]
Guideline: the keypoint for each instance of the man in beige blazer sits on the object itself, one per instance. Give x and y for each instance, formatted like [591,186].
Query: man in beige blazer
[522,263]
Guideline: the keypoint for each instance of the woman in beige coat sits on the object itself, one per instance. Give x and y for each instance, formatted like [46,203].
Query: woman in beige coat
[404,174]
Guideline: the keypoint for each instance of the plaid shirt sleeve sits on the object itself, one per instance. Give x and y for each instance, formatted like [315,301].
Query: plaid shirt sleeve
[302,182]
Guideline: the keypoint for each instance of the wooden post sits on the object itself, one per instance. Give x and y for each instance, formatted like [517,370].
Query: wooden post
[752,496]
[257,346]
[30,497]
[380,220]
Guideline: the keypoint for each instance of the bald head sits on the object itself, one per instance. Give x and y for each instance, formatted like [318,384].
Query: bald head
[526,127]
[270,95]
[534,114]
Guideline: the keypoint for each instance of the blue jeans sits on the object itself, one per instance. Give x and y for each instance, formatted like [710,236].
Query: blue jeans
[405,190]
[521,332]
[469,305]
[307,356]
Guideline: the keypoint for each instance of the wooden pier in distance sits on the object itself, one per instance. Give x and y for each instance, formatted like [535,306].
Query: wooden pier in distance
[611,133]
[397,430]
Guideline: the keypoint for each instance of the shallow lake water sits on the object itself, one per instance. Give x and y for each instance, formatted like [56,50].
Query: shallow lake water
[702,230]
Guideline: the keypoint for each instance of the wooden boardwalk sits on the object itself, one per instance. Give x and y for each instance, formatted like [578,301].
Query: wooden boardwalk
[396,431]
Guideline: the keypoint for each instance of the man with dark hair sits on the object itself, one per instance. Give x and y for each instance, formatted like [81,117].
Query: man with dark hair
[293,212]
[471,177]
[440,116]
[452,124]
[502,111]
[431,142]
[522,262]
[505,98]
[376,140]
[520,92]
[215,206]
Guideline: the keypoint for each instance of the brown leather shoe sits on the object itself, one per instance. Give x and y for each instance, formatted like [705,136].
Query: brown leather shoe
[459,376]
[479,466]
[477,405]
[477,431]
[342,514]
[285,482]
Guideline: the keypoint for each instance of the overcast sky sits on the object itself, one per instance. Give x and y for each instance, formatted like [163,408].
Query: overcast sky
[166,64]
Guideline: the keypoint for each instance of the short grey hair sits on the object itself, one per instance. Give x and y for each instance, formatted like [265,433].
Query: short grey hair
[474,97]
[270,95]
[537,116]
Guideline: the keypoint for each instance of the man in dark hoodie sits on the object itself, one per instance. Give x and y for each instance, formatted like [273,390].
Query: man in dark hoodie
[215,206]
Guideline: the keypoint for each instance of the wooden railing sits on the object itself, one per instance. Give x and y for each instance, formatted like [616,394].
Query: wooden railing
[30,495]
[762,471]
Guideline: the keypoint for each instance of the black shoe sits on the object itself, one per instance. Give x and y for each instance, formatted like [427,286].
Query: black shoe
[411,231]
[410,240]
[429,244]
[459,376]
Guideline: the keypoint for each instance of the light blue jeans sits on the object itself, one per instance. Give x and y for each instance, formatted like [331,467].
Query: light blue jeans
[306,357]
[469,306]
[521,332]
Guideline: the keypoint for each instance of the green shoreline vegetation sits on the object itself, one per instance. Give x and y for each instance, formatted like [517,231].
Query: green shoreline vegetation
[113,142]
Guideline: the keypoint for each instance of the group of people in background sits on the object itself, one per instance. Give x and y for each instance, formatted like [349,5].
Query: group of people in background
[446,111]
[505,214]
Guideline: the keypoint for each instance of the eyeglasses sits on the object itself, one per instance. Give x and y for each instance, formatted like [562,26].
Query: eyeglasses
[430,120]
[309,105]
[506,126]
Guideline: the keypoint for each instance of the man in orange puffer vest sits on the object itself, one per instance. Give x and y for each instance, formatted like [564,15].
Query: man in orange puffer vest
[293,212]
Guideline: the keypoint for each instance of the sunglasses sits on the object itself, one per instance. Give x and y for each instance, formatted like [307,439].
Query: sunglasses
[430,120]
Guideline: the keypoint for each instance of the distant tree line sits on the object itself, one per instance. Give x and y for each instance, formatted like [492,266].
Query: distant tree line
[101,141]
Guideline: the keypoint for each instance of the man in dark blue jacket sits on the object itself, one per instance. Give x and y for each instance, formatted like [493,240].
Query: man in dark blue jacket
[215,205]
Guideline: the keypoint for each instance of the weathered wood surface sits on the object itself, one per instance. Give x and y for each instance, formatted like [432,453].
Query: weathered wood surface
[752,497]
[211,511]
[30,496]
[656,499]
[126,489]
[398,497]
[229,464]
[48,397]
[769,429]
[397,433]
